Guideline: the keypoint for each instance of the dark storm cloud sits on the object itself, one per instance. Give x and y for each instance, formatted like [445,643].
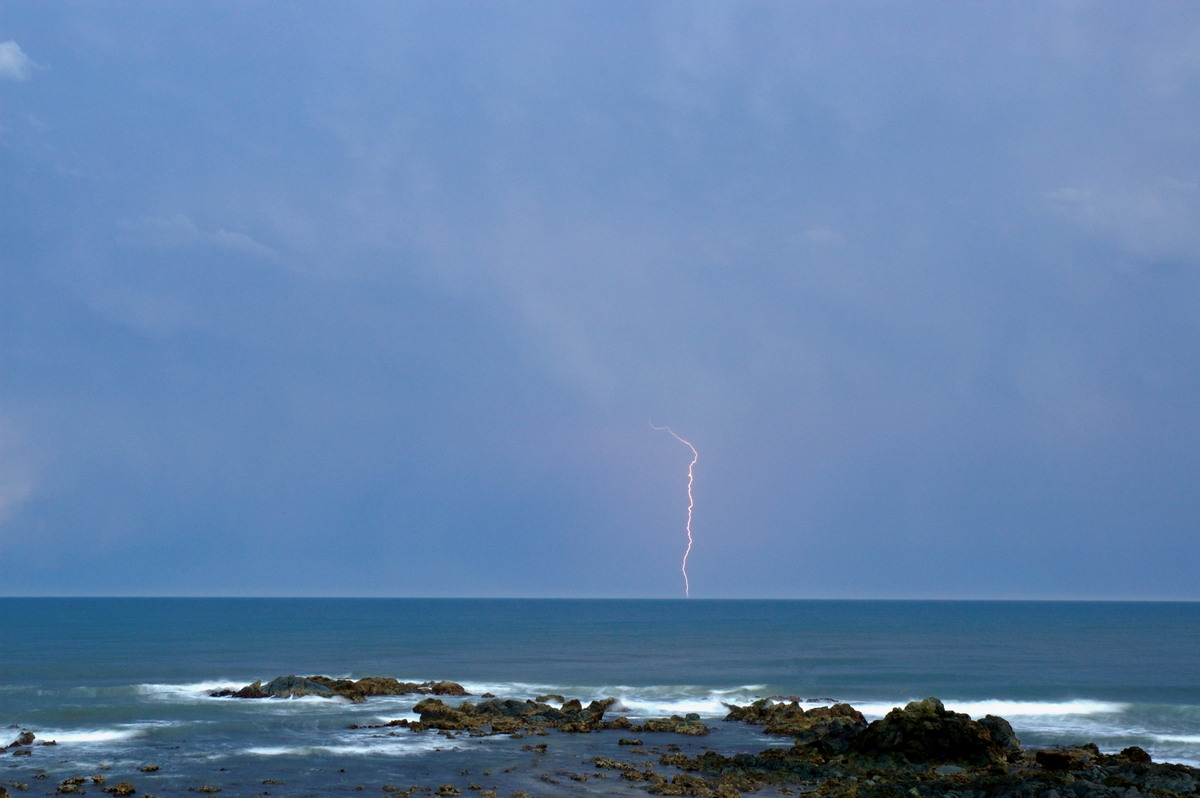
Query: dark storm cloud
[385,296]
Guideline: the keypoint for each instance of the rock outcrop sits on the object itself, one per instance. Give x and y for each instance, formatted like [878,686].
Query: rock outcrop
[513,716]
[925,732]
[326,687]
[818,733]
[23,739]
[508,716]
[920,750]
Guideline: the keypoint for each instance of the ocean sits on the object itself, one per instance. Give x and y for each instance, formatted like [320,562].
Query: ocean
[121,684]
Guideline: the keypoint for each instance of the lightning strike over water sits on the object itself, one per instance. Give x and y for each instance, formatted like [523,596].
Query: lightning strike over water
[691,503]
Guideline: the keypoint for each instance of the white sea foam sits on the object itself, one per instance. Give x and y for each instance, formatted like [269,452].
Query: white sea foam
[91,735]
[678,700]
[508,689]
[384,719]
[108,735]
[639,706]
[387,746]
[1004,708]
[640,701]
[201,692]
[187,693]
[647,701]
[1025,708]
[1191,739]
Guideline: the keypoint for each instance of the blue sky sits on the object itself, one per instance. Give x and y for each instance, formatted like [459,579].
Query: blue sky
[308,299]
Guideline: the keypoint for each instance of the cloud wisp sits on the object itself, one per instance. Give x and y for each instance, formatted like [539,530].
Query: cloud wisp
[14,63]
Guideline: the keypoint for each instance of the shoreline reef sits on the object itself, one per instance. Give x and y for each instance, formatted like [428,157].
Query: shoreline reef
[918,750]
[922,749]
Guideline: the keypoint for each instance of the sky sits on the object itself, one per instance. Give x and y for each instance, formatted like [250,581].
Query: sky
[386,299]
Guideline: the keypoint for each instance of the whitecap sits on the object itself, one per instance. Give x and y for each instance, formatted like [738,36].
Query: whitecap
[511,689]
[387,746]
[637,706]
[659,700]
[1005,708]
[190,692]
[1191,739]
[102,735]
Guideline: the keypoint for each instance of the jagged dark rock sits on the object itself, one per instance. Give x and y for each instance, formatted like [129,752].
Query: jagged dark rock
[511,716]
[920,750]
[508,715]
[925,732]
[326,687]
[71,786]
[1002,734]
[819,732]
[687,724]
[24,738]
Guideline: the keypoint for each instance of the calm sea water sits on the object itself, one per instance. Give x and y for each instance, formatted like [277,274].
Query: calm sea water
[120,683]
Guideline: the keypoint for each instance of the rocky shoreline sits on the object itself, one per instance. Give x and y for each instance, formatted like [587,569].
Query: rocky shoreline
[326,687]
[922,749]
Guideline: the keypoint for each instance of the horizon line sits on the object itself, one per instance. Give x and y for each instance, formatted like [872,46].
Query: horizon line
[605,598]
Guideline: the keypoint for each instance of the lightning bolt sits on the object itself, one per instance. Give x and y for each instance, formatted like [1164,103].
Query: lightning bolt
[691,504]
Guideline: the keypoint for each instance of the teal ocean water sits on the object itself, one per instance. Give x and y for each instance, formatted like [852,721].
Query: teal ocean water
[120,683]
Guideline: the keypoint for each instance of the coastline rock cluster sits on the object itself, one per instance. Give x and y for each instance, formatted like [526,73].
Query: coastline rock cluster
[920,750]
[512,716]
[922,732]
[326,687]
[21,745]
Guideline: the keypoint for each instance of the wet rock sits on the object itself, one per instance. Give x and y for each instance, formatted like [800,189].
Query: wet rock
[1069,757]
[688,724]
[294,687]
[443,687]
[24,738]
[326,687]
[120,788]
[611,764]
[253,690]
[1134,754]
[358,691]
[1002,735]
[921,750]
[435,714]
[774,716]
[514,716]
[510,716]
[71,786]
[925,732]
[682,784]
[818,733]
